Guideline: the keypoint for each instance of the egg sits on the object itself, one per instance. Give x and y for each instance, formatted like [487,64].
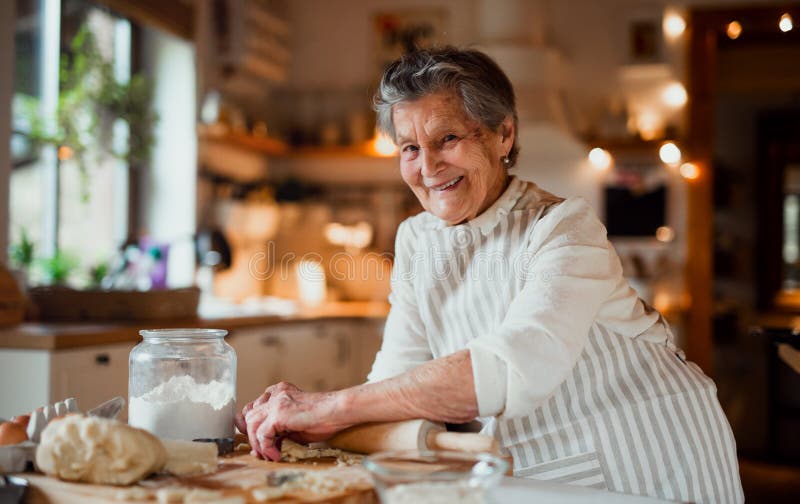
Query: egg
[22,420]
[12,433]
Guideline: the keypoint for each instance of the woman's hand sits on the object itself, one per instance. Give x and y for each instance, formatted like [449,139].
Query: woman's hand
[440,390]
[283,410]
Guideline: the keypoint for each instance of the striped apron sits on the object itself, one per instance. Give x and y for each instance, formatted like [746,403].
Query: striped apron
[633,417]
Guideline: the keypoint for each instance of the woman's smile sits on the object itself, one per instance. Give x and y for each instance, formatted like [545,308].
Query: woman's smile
[448,186]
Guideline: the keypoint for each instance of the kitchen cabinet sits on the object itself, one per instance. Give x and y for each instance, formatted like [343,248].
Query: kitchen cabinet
[33,378]
[92,375]
[314,356]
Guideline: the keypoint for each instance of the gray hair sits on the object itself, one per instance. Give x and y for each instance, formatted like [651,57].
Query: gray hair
[485,91]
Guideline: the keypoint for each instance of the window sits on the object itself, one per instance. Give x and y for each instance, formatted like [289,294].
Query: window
[57,205]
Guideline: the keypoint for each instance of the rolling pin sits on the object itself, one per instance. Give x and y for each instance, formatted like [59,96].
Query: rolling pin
[410,435]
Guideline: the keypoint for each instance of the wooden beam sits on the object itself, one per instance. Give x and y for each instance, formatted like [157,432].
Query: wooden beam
[700,242]
[173,16]
[7,20]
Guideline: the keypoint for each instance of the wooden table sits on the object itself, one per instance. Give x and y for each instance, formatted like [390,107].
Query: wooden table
[237,476]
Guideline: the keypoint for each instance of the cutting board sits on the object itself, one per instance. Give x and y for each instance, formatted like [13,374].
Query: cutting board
[237,475]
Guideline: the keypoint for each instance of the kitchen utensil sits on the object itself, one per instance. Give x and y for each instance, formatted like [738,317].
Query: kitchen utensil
[434,476]
[224,445]
[109,409]
[411,434]
[12,489]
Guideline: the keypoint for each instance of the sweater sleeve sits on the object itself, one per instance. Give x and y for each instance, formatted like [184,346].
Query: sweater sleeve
[568,273]
[405,345]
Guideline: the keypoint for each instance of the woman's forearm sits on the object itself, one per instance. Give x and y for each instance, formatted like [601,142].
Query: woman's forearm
[440,390]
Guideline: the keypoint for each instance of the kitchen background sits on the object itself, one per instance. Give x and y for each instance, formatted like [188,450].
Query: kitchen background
[230,145]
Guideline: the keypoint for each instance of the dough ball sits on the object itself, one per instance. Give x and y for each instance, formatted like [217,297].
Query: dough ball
[190,458]
[98,450]
[12,433]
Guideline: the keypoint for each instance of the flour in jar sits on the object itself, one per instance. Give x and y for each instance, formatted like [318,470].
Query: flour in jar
[181,408]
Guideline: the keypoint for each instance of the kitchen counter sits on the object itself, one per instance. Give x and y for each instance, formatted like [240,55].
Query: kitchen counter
[241,471]
[69,335]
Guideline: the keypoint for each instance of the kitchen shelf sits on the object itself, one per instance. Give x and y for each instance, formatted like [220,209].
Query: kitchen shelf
[278,149]
[260,144]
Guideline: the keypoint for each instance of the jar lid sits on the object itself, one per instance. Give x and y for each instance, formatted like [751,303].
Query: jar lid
[188,333]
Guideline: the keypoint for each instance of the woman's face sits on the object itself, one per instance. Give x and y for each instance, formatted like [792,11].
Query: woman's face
[451,162]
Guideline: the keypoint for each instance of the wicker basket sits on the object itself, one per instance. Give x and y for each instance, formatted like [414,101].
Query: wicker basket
[63,303]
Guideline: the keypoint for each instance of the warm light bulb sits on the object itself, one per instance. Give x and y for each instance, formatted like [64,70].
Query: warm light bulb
[662,301]
[689,171]
[665,234]
[674,95]
[600,159]
[785,24]
[357,236]
[733,30]
[384,145]
[65,153]
[673,25]
[650,124]
[670,153]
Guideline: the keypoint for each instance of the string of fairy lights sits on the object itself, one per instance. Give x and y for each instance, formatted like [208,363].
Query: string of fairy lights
[675,96]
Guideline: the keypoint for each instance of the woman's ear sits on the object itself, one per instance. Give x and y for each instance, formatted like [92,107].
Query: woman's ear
[507,133]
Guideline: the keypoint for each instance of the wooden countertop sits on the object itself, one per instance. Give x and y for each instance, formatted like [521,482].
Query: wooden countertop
[237,476]
[66,335]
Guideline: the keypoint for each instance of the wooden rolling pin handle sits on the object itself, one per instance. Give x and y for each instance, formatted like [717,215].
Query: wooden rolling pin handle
[462,441]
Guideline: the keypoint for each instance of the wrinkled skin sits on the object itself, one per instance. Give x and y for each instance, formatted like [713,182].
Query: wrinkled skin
[438,144]
[283,410]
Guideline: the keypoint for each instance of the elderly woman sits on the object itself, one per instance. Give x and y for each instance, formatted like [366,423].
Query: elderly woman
[509,306]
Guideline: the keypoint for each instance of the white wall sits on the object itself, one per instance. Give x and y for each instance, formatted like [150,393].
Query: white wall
[169,195]
[7,18]
[332,40]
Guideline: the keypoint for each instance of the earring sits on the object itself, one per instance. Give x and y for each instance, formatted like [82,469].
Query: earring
[506,161]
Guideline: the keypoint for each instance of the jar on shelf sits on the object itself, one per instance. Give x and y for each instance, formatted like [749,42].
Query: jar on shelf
[182,384]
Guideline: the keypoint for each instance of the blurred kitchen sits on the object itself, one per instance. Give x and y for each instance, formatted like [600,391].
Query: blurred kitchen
[215,163]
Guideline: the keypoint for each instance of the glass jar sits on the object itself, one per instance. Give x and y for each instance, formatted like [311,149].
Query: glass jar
[182,384]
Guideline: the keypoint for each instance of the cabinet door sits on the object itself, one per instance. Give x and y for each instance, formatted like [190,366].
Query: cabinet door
[258,356]
[311,358]
[369,341]
[24,381]
[344,362]
[91,375]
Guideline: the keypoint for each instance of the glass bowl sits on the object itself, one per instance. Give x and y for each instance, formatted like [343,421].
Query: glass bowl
[433,476]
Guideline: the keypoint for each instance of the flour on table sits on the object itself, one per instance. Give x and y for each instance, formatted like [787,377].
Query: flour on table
[317,482]
[293,452]
[181,408]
